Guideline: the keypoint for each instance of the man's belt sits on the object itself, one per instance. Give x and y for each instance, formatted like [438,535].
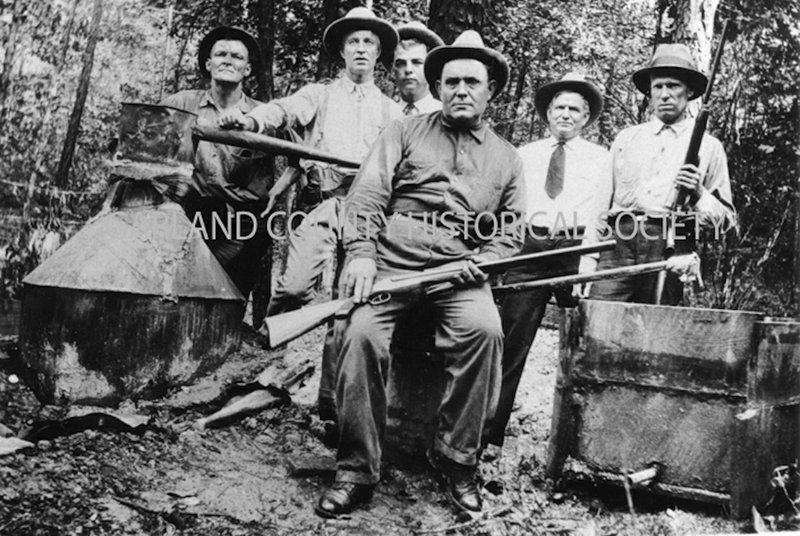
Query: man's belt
[538,231]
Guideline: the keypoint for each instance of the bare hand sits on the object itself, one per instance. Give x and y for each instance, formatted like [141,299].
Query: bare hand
[234,119]
[587,265]
[689,179]
[359,278]
[470,275]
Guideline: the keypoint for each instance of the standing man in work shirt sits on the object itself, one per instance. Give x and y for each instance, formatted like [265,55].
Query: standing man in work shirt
[227,179]
[647,166]
[419,170]
[564,176]
[408,68]
[343,117]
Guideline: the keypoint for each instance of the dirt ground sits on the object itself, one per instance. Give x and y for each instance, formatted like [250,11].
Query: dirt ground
[235,480]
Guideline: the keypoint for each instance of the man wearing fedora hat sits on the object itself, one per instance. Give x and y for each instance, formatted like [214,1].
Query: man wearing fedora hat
[647,166]
[562,183]
[408,68]
[227,178]
[419,171]
[343,117]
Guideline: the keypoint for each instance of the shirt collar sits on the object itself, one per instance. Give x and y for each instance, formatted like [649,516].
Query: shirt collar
[478,131]
[351,86]
[426,99]
[569,144]
[208,100]
[659,126]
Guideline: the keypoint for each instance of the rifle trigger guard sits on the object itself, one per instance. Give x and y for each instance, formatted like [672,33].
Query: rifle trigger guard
[380,298]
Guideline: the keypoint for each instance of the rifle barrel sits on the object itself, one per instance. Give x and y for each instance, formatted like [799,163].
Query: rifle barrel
[268,144]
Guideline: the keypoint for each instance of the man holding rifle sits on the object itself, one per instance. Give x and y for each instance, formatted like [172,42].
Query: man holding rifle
[563,182]
[421,199]
[648,164]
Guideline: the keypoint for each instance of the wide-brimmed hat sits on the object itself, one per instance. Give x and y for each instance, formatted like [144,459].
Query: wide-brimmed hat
[227,33]
[361,18]
[569,82]
[468,45]
[417,30]
[675,60]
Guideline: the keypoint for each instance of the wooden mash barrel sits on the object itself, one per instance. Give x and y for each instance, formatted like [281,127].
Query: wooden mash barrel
[134,303]
[710,397]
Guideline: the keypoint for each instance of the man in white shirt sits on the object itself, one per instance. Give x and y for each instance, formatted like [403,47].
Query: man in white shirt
[408,68]
[648,166]
[563,176]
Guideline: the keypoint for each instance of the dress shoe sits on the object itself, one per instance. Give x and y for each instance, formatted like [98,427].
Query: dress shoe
[343,498]
[462,486]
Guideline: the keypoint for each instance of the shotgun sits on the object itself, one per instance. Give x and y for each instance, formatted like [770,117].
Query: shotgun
[282,328]
[680,197]
[267,144]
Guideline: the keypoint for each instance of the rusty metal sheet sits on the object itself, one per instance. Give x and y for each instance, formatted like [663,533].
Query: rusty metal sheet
[150,250]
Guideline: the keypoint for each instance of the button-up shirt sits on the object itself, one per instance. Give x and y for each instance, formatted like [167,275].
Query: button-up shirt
[585,170]
[232,174]
[646,159]
[342,117]
[423,174]
[425,105]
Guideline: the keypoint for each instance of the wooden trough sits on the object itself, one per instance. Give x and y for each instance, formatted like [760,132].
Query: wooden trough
[707,399]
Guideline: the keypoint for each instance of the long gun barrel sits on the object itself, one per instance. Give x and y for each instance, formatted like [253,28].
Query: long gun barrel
[267,144]
[284,327]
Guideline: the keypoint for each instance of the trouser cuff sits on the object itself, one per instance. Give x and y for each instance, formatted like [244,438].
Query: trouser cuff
[458,456]
[356,477]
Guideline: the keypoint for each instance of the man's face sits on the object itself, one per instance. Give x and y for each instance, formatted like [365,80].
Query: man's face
[465,89]
[409,71]
[229,62]
[567,115]
[670,97]
[360,51]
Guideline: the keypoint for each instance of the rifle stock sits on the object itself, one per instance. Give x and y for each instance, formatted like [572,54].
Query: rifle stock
[285,327]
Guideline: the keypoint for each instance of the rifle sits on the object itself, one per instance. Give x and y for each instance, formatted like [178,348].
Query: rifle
[284,327]
[680,197]
[267,144]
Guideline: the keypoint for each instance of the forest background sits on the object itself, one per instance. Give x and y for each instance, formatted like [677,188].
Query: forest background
[66,65]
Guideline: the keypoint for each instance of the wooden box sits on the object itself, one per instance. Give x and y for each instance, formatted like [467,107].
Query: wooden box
[710,397]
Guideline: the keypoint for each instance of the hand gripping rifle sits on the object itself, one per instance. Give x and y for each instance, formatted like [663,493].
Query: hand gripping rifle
[284,327]
[680,196]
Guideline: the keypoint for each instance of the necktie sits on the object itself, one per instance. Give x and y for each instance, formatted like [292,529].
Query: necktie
[410,109]
[555,172]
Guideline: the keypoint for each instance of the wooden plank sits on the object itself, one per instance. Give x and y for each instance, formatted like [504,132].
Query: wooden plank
[685,348]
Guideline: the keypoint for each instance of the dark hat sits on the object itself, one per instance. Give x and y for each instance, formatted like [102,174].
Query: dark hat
[674,60]
[569,82]
[361,18]
[417,30]
[227,33]
[468,45]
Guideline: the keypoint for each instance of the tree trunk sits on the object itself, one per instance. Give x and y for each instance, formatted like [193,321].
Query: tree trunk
[331,10]
[73,128]
[265,22]
[449,18]
[8,43]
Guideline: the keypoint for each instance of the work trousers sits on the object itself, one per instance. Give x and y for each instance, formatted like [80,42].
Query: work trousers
[311,247]
[469,338]
[639,240]
[521,314]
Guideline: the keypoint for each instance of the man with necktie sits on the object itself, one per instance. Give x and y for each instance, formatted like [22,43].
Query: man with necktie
[563,175]
[648,165]
[408,68]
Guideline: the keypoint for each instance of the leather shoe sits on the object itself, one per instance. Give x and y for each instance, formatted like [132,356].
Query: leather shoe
[342,498]
[462,486]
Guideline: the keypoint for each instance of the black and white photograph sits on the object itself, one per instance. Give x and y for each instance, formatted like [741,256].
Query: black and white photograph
[410,267]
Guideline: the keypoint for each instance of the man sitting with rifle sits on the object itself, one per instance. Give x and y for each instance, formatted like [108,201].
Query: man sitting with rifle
[420,171]
[649,162]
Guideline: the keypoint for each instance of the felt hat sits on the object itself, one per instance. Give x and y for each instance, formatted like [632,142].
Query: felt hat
[672,60]
[468,45]
[569,82]
[361,18]
[417,30]
[227,33]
